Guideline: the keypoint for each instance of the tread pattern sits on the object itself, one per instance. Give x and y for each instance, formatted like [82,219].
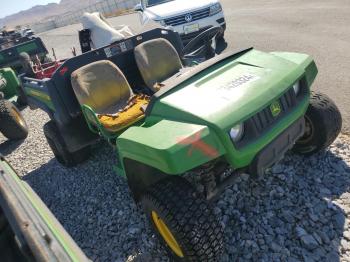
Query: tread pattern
[333,119]
[9,126]
[190,218]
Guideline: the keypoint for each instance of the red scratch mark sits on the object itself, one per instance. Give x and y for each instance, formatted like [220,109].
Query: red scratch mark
[63,70]
[197,143]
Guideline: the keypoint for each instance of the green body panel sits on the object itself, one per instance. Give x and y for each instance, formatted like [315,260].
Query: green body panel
[12,83]
[40,96]
[304,61]
[32,201]
[215,100]
[27,48]
[170,146]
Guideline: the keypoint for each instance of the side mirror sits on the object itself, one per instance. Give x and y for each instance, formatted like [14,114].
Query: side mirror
[138,8]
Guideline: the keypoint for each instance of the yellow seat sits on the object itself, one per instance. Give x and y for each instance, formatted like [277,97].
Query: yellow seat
[103,87]
[128,116]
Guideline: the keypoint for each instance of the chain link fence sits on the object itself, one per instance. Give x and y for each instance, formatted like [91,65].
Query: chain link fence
[107,7]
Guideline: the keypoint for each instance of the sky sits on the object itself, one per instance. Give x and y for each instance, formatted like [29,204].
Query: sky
[13,6]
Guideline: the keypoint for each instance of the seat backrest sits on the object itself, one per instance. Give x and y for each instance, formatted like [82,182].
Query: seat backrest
[157,60]
[100,85]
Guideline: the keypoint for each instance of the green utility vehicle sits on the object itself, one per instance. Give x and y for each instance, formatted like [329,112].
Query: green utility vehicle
[12,124]
[28,230]
[237,112]
[11,47]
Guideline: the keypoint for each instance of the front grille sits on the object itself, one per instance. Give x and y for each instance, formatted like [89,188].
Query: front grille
[181,19]
[264,119]
[187,38]
[260,123]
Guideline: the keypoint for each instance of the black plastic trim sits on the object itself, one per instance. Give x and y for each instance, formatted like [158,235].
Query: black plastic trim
[274,151]
[221,20]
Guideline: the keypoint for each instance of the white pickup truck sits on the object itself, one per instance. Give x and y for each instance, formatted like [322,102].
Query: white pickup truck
[188,18]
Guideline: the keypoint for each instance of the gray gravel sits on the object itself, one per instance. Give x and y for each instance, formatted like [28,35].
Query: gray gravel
[299,211]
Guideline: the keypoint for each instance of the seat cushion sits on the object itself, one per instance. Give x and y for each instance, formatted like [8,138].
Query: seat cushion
[101,85]
[157,60]
[133,112]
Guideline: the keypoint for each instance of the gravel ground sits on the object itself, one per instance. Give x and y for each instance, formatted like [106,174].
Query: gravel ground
[299,211]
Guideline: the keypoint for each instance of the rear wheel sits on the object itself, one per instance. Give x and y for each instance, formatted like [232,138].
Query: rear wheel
[22,98]
[59,148]
[12,124]
[185,223]
[323,123]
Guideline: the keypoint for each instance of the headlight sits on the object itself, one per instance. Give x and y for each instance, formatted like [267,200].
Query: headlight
[236,132]
[161,22]
[296,88]
[216,8]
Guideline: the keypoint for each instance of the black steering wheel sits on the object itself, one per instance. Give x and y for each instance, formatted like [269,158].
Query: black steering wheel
[203,46]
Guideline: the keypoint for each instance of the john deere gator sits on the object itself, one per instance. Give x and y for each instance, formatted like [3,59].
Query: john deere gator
[170,120]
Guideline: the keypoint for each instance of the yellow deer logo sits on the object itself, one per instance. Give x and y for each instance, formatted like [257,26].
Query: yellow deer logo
[275,109]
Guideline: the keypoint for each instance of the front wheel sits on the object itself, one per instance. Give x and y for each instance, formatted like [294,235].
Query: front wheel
[12,124]
[323,123]
[185,223]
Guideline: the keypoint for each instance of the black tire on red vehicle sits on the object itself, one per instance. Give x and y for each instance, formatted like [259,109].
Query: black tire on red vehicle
[12,124]
[323,123]
[189,218]
[59,148]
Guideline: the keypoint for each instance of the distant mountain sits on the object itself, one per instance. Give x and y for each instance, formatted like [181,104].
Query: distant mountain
[42,12]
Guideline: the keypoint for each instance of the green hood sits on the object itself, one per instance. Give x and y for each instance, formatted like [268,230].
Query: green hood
[229,92]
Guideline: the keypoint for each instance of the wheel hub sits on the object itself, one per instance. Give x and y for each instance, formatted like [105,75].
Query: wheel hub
[166,234]
[309,131]
[18,117]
